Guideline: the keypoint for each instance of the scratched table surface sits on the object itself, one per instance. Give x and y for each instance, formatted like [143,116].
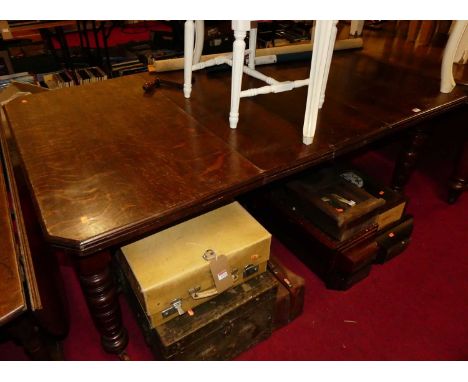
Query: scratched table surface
[107,164]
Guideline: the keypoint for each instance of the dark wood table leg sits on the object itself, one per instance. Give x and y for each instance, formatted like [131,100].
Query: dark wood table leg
[406,161]
[459,179]
[37,344]
[100,291]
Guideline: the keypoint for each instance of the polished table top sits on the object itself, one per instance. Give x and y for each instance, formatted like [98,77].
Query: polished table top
[107,164]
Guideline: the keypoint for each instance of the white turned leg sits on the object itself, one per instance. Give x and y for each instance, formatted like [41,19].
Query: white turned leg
[240,28]
[328,64]
[189,37]
[324,30]
[461,56]
[199,40]
[356,28]
[252,47]
[447,83]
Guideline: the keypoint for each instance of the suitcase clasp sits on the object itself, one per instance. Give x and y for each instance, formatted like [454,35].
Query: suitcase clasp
[176,307]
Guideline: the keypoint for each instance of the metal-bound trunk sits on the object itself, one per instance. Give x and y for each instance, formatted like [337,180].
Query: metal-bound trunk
[219,329]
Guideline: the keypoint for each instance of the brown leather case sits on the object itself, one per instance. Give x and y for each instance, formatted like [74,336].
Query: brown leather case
[394,240]
[290,295]
[219,329]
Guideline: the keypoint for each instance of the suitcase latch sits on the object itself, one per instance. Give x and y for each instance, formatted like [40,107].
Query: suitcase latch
[250,270]
[176,307]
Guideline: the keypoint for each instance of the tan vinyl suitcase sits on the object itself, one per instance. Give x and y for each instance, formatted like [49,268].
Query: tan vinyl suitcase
[183,266]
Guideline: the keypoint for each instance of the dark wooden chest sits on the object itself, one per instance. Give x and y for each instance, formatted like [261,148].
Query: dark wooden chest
[219,329]
[340,264]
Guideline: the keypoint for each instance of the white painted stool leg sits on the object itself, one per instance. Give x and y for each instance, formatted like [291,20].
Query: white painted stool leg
[322,40]
[356,28]
[188,56]
[461,57]
[240,28]
[199,40]
[252,46]
[328,64]
[447,83]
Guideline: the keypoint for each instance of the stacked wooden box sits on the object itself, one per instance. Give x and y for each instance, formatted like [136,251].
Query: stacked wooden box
[337,220]
[201,289]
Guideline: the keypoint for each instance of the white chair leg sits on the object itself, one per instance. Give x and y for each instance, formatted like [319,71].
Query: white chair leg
[199,40]
[189,37]
[356,28]
[447,83]
[324,30]
[252,46]
[328,64]
[461,56]
[240,28]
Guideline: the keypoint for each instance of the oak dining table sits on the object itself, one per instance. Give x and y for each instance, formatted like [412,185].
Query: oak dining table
[107,164]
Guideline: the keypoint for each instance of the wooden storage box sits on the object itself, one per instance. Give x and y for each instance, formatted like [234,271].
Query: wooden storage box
[172,270]
[395,202]
[334,204]
[219,329]
[339,263]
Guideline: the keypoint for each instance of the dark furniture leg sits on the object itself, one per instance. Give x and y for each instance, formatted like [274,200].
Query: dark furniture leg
[406,161]
[38,345]
[101,295]
[459,178]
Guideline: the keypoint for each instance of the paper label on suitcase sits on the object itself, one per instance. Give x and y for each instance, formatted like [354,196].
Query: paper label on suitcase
[221,273]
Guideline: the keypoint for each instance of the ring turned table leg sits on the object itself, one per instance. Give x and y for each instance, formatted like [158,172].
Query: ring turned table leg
[406,161]
[459,178]
[101,295]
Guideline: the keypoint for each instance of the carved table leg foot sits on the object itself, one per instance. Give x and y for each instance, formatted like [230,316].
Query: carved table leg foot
[459,179]
[101,295]
[406,161]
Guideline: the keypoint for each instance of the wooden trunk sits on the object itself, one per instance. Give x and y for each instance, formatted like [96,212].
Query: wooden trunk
[346,261]
[290,295]
[219,329]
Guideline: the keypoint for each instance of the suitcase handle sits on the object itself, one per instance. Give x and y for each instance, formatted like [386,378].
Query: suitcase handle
[197,295]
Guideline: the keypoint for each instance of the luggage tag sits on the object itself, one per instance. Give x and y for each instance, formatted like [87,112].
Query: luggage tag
[221,273]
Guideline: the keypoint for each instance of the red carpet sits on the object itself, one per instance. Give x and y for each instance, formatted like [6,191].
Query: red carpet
[412,308]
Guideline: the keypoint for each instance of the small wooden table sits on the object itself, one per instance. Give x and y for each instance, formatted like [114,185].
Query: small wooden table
[32,311]
[107,165]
